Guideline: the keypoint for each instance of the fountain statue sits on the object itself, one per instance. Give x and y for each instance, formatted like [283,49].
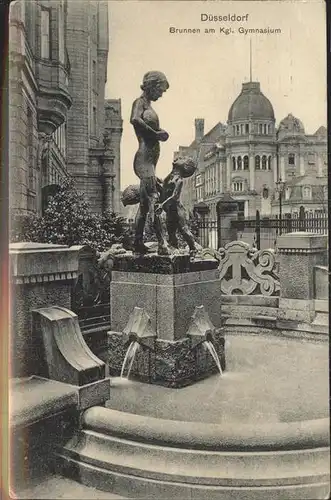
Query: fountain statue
[149,134]
[159,298]
[182,167]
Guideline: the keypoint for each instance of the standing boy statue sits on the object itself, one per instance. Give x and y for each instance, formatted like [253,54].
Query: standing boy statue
[149,134]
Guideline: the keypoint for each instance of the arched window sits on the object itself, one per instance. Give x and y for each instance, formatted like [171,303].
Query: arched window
[246,162]
[241,129]
[247,128]
[264,162]
[233,163]
[234,130]
[269,162]
[257,162]
[269,129]
[260,128]
[265,193]
[239,163]
[237,129]
[265,129]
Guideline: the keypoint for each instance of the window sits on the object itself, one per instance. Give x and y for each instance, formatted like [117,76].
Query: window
[306,192]
[257,162]
[269,162]
[311,158]
[265,129]
[238,186]
[61,33]
[234,130]
[260,128]
[264,162]
[237,129]
[241,129]
[198,180]
[269,129]
[30,155]
[94,75]
[233,163]
[246,163]
[94,122]
[45,41]
[199,194]
[291,159]
[239,163]
[247,128]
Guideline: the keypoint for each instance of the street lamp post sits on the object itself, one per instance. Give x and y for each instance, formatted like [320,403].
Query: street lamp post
[280,185]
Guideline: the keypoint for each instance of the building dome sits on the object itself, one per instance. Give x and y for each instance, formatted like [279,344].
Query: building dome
[291,124]
[251,103]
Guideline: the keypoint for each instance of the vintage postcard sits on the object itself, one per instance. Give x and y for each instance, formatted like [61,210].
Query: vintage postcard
[168,194]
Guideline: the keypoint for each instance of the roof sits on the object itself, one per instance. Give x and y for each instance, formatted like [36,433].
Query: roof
[290,124]
[307,180]
[251,103]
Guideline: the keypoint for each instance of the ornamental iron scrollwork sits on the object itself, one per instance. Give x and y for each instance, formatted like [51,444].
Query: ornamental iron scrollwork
[245,270]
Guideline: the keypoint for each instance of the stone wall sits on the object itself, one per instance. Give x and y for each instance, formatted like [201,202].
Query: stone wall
[41,275]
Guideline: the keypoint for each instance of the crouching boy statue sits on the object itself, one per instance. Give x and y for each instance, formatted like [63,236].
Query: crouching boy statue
[182,167]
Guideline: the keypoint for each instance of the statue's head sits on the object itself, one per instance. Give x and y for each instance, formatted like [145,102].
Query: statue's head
[154,84]
[185,165]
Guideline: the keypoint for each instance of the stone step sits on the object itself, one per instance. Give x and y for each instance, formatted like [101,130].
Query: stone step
[198,466]
[111,454]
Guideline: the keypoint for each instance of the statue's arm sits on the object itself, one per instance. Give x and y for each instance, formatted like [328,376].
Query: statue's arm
[178,189]
[176,194]
[136,119]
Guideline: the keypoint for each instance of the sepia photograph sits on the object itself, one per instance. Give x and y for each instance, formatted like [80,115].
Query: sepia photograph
[168,250]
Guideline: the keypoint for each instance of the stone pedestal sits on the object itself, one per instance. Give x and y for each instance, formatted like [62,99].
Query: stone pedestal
[298,253]
[168,290]
[227,211]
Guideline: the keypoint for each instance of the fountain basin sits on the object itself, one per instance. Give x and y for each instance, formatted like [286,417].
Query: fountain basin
[215,439]
[198,435]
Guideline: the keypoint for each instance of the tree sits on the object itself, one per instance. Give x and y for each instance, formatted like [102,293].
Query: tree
[68,220]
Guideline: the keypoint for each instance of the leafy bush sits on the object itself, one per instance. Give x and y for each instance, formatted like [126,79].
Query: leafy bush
[68,220]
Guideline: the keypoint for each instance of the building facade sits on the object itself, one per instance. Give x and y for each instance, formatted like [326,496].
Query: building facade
[247,156]
[58,53]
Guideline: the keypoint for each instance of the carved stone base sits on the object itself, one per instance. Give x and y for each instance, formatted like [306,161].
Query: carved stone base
[172,364]
[167,312]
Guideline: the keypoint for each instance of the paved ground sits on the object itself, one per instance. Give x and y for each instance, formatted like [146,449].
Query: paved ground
[56,487]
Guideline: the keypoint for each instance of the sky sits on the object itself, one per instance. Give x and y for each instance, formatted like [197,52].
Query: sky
[206,71]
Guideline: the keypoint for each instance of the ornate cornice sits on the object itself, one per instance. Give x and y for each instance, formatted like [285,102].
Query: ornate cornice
[300,251]
[44,278]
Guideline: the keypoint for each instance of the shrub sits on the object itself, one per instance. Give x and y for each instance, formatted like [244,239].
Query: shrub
[68,220]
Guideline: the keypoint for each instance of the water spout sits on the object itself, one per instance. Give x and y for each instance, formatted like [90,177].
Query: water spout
[214,354]
[129,358]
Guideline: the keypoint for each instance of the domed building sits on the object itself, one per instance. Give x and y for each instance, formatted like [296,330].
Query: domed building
[247,156]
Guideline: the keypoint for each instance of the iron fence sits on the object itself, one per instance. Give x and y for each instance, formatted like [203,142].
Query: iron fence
[259,232]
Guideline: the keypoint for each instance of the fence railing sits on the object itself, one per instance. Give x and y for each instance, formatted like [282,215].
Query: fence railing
[208,233]
[261,232]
